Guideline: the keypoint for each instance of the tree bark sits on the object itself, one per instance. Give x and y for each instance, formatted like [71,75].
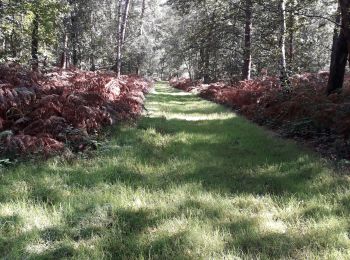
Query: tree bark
[282,45]
[292,21]
[64,56]
[338,64]
[205,64]
[142,16]
[35,42]
[92,42]
[247,56]
[119,45]
[122,23]
[340,50]
[74,37]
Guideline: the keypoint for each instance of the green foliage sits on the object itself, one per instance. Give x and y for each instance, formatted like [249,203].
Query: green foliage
[17,21]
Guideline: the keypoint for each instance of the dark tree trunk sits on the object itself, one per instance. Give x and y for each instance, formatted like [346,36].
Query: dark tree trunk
[205,64]
[92,62]
[246,71]
[292,20]
[13,44]
[340,50]
[74,39]
[35,42]
[338,64]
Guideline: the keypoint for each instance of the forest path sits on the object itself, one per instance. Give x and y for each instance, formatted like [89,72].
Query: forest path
[191,181]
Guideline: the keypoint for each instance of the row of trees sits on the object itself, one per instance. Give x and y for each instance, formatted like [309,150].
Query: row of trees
[208,39]
[237,39]
[85,33]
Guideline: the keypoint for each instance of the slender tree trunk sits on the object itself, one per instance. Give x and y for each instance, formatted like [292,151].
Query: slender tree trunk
[142,16]
[247,56]
[92,62]
[1,18]
[119,41]
[125,19]
[74,39]
[292,21]
[205,64]
[35,42]
[122,23]
[64,56]
[92,43]
[3,40]
[282,45]
[13,44]
[140,56]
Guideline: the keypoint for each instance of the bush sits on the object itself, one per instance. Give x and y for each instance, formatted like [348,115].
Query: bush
[46,112]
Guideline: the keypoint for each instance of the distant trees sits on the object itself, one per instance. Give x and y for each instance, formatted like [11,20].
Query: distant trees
[289,36]
[209,40]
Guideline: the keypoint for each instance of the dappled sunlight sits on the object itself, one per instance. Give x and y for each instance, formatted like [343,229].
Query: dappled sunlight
[31,217]
[192,117]
[190,108]
[175,94]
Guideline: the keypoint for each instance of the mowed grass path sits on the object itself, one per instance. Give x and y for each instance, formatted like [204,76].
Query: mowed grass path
[191,181]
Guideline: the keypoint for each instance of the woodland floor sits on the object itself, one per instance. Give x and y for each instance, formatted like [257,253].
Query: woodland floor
[192,180]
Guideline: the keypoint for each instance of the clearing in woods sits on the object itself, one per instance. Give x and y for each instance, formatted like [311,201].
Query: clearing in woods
[192,180]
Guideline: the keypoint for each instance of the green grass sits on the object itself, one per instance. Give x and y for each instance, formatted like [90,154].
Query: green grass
[191,181]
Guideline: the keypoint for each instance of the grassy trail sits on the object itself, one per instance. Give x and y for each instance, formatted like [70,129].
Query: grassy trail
[191,181]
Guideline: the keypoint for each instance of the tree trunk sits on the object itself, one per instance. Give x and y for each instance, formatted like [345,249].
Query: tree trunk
[92,62]
[292,21]
[340,50]
[282,45]
[345,17]
[64,56]
[13,44]
[122,23]
[35,42]
[92,43]
[142,16]
[119,42]
[247,64]
[74,38]
[338,64]
[205,64]
[125,19]
[336,31]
